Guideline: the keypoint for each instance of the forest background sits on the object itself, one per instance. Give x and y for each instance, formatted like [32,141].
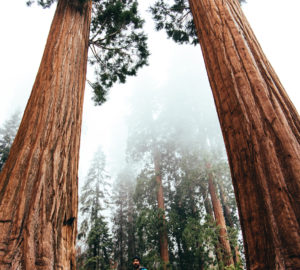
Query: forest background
[172,69]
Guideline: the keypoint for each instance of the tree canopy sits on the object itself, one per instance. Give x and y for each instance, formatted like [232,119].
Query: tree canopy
[118,45]
[176,19]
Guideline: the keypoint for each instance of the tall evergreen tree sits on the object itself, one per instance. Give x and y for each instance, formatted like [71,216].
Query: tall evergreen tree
[227,257]
[7,135]
[260,125]
[179,133]
[38,185]
[148,225]
[123,219]
[94,232]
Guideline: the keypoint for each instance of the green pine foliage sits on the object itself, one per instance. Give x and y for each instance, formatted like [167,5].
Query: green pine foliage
[124,219]
[7,135]
[118,45]
[175,17]
[184,150]
[96,248]
[192,231]
[147,223]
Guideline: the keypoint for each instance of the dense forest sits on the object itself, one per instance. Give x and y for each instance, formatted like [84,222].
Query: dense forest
[198,190]
[172,204]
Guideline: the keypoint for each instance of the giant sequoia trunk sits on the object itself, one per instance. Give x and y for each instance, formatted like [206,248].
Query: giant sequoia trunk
[220,220]
[163,237]
[261,129]
[38,185]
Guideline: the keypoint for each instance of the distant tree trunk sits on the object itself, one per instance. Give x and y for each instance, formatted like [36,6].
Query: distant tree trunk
[122,262]
[131,238]
[38,185]
[226,210]
[207,204]
[163,238]
[261,129]
[220,220]
[229,221]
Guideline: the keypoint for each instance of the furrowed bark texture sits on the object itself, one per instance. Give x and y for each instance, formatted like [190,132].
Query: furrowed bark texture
[260,127]
[38,185]
[220,220]
[163,238]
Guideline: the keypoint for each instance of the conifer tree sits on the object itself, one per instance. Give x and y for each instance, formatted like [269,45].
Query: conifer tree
[124,219]
[94,232]
[260,125]
[38,185]
[148,225]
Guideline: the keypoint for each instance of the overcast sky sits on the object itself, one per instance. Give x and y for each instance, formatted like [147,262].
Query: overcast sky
[24,31]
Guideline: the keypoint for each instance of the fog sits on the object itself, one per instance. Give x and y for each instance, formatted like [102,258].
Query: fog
[173,69]
[176,76]
[175,83]
[168,105]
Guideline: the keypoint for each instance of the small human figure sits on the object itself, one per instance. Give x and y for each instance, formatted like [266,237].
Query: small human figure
[136,262]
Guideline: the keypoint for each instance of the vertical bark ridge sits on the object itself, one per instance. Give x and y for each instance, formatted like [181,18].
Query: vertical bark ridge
[261,129]
[267,70]
[38,185]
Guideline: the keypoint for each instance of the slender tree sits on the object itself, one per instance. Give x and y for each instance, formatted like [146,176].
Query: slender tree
[38,186]
[123,219]
[94,233]
[260,127]
[163,235]
[147,142]
[220,220]
[230,220]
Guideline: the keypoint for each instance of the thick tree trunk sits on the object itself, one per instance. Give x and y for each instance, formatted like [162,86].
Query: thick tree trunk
[163,238]
[220,220]
[261,129]
[38,185]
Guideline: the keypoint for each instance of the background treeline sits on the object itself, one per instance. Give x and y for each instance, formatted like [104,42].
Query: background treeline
[172,203]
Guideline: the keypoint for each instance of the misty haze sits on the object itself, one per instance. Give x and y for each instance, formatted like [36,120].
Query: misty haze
[150,138]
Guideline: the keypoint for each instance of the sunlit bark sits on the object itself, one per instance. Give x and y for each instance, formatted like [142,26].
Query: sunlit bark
[38,185]
[260,127]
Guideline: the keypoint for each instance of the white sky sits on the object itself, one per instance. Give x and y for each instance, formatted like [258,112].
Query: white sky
[24,30]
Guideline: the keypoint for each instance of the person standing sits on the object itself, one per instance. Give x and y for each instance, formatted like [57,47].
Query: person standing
[136,262]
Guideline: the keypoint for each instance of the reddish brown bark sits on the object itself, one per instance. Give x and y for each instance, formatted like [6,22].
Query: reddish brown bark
[38,185]
[163,237]
[220,220]
[261,130]
[229,221]
[226,210]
